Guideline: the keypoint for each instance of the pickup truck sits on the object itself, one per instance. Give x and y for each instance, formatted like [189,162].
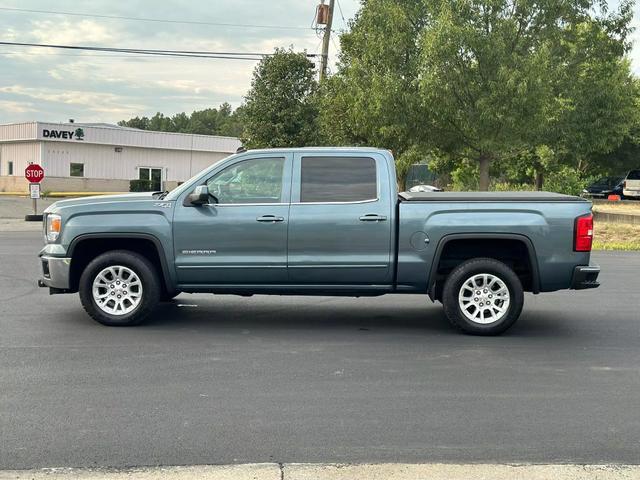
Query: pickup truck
[317,221]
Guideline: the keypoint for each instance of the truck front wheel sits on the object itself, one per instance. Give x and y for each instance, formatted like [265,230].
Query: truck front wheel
[482,296]
[119,288]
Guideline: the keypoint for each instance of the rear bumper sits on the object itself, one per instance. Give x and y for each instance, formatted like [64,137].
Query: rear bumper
[55,272]
[585,277]
[631,193]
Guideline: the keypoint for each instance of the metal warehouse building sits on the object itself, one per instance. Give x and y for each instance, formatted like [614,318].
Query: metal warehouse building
[91,157]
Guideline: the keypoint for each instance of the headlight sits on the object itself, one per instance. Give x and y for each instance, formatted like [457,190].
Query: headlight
[54,223]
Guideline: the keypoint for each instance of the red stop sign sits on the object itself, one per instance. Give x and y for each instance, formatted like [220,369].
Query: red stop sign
[34,173]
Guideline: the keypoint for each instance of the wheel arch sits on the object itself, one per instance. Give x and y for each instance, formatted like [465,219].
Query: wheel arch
[448,240]
[84,248]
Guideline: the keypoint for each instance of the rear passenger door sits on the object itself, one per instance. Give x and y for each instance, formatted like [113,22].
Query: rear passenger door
[340,220]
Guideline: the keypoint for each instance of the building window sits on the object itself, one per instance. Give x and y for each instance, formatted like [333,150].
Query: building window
[76,170]
[10,168]
[153,176]
[338,179]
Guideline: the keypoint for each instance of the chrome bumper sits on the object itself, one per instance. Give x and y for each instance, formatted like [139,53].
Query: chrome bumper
[55,272]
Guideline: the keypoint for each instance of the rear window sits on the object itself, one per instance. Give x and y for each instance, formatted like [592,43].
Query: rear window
[338,179]
[634,175]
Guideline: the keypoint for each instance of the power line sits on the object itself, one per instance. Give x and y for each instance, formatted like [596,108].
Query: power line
[156,20]
[341,14]
[168,53]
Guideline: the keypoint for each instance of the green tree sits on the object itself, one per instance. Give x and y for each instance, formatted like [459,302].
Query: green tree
[281,108]
[484,80]
[374,98]
[210,121]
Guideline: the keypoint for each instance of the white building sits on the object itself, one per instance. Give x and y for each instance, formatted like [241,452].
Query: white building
[89,157]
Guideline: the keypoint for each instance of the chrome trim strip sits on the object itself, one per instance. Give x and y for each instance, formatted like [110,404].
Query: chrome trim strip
[245,205]
[336,203]
[338,266]
[187,267]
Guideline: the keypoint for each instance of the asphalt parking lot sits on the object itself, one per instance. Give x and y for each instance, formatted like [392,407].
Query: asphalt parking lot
[223,379]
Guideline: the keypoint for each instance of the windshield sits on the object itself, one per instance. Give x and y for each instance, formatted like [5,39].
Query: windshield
[193,181]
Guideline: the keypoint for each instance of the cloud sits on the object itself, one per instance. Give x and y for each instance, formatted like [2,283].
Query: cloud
[93,101]
[78,32]
[47,84]
[17,107]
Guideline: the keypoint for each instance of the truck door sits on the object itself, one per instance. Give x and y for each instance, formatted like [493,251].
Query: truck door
[241,238]
[340,221]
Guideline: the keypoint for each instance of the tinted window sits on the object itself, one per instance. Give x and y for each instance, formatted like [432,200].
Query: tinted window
[338,179]
[250,181]
[634,175]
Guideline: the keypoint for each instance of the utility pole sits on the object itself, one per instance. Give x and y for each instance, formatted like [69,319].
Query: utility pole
[325,40]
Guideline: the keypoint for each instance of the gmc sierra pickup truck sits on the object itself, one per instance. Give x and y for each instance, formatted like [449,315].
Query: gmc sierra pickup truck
[317,221]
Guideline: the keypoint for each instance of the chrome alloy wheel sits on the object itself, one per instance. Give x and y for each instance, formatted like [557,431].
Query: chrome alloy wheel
[484,298]
[117,290]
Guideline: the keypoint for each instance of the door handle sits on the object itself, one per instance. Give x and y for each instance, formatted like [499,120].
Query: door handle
[270,219]
[372,217]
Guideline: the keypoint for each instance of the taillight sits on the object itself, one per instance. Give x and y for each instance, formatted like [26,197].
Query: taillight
[624,184]
[583,233]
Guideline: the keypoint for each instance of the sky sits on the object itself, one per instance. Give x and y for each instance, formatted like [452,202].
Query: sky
[56,85]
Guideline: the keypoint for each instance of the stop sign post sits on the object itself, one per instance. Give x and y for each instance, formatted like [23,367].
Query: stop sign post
[34,174]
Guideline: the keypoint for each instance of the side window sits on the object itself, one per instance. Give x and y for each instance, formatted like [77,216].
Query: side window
[338,179]
[251,181]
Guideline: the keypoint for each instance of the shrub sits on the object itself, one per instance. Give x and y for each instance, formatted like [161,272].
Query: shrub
[140,186]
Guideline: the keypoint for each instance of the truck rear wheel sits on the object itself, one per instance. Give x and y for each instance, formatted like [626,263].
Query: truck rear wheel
[482,296]
[119,288]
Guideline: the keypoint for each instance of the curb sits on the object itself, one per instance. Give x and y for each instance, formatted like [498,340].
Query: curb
[310,471]
[616,218]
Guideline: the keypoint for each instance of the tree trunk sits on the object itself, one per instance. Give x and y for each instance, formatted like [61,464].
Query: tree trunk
[402,182]
[539,179]
[484,162]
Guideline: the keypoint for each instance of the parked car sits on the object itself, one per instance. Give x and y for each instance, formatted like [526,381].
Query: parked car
[631,186]
[317,221]
[604,187]
[425,188]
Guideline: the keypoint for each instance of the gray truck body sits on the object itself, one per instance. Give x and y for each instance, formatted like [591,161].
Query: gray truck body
[389,243]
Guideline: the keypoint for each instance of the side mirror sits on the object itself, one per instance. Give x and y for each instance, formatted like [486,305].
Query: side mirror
[199,196]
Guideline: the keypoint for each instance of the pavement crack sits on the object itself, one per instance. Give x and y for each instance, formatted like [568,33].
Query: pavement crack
[281,467]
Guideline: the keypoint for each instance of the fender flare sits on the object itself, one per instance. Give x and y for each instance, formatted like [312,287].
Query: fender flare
[533,258]
[166,277]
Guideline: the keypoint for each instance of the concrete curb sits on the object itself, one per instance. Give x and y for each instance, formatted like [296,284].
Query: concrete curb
[306,471]
[616,218]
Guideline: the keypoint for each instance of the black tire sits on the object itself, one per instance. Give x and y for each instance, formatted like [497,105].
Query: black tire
[458,277]
[142,267]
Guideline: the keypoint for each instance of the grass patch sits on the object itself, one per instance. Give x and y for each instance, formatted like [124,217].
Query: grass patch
[616,236]
[627,208]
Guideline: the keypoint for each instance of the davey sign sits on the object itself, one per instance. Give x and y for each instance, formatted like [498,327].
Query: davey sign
[63,134]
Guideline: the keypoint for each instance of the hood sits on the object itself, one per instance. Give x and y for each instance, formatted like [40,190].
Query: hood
[96,199]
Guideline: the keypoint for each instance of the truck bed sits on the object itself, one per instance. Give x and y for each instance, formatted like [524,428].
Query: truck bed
[487,197]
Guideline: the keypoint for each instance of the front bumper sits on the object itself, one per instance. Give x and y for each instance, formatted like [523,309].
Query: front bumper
[55,272]
[585,277]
